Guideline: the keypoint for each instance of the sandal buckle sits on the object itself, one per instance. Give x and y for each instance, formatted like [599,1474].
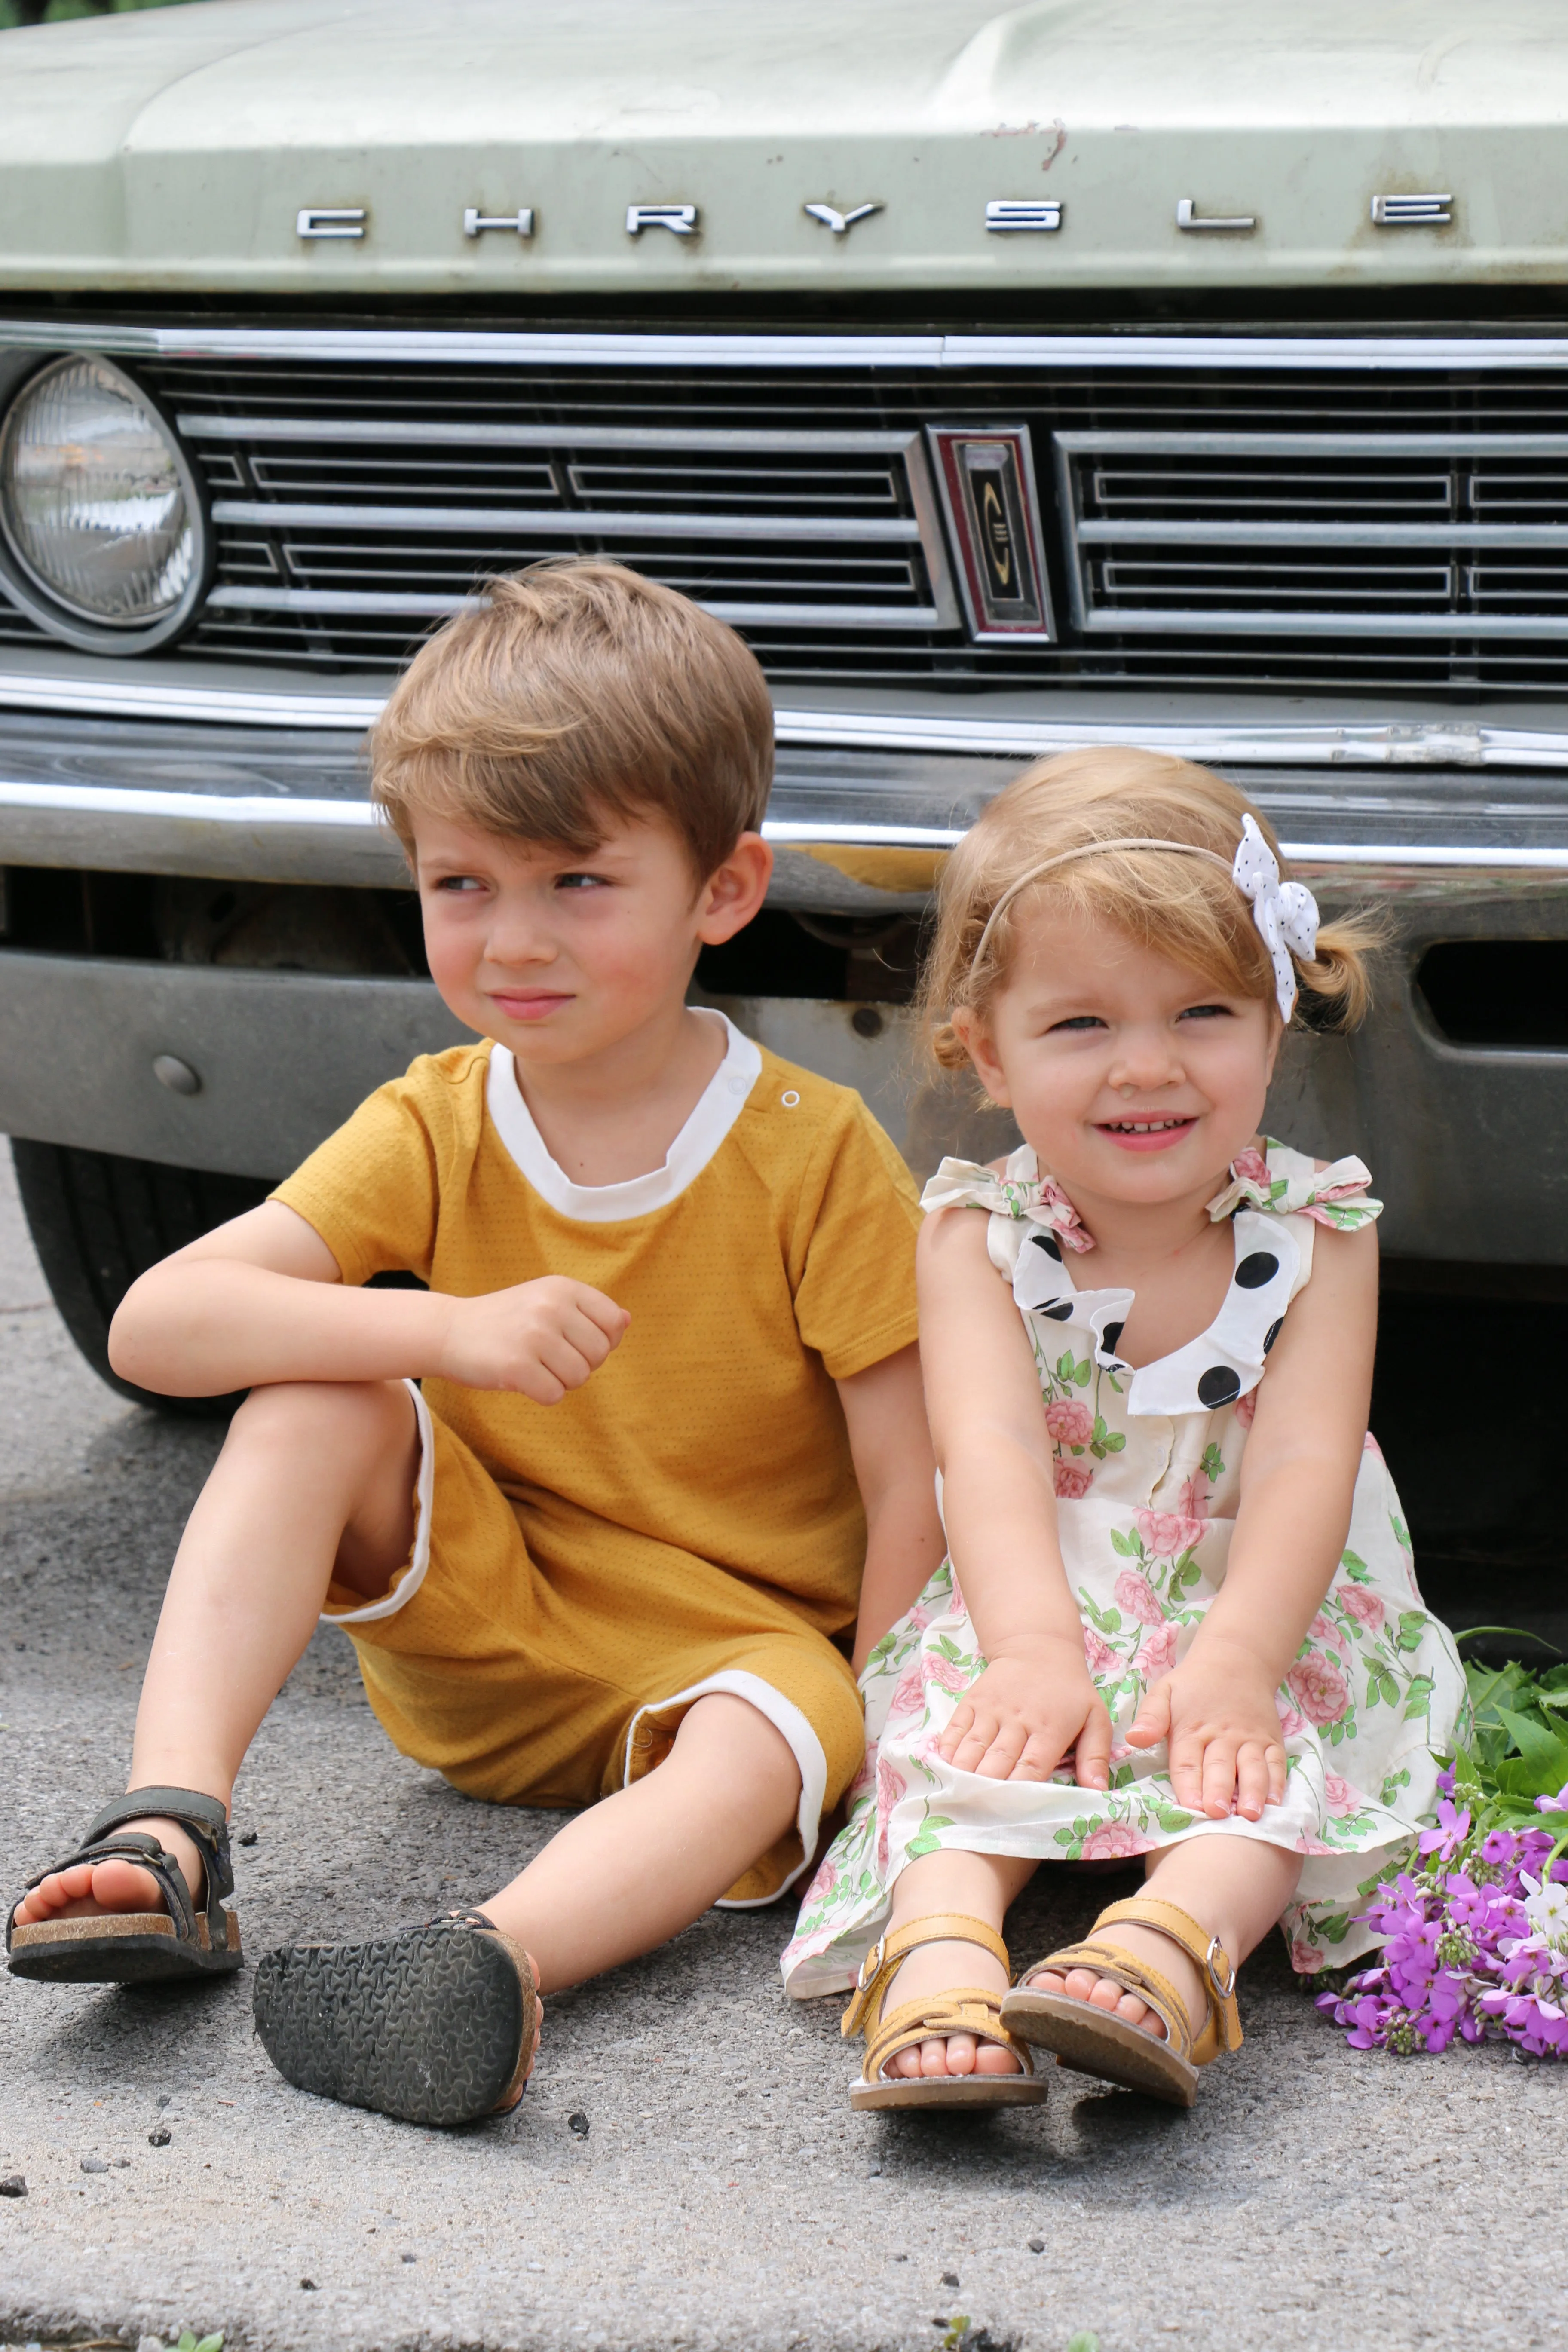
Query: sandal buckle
[1225,1992]
[870,1965]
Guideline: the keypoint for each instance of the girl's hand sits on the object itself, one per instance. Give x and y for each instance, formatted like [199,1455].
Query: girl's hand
[1217,1710]
[1027,1712]
[539,1338]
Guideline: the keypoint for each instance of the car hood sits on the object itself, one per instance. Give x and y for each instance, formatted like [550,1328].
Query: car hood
[175,149]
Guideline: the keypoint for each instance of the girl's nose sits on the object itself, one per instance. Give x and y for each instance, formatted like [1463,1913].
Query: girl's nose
[1143,1069]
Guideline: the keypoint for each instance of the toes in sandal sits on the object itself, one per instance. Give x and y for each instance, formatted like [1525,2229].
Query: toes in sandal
[967,2009]
[433,2025]
[1095,2041]
[139,1946]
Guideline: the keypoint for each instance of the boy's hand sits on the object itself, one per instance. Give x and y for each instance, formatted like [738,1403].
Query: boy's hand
[1217,1710]
[1026,1713]
[539,1338]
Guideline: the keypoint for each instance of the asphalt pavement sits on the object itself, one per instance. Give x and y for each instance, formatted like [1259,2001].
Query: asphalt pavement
[722,2194]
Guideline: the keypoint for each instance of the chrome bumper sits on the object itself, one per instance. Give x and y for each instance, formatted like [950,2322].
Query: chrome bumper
[1468,1144]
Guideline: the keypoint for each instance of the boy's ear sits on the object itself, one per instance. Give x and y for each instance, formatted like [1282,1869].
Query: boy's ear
[734,891]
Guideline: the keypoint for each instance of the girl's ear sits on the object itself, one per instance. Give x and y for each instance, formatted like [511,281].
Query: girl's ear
[977,1042]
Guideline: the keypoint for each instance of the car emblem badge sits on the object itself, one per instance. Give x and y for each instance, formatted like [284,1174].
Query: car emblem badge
[986,477]
[840,224]
[681,220]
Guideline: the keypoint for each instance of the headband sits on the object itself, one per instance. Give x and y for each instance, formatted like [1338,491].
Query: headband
[1286,913]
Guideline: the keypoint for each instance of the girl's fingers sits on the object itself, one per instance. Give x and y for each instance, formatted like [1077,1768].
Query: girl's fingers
[1152,1721]
[1219,1776]
[1042,1754]
[1006,1747]
[1251,1780]
[1278,1772]
[1092,1759]
[1186,1772]
[947,1746]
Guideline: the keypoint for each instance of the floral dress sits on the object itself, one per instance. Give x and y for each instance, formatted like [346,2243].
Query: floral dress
[1147,1480]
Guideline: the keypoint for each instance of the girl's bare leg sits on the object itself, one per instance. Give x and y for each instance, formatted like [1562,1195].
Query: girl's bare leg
[313,1478]
[633,1870]
[983,1886]
[1234,1886]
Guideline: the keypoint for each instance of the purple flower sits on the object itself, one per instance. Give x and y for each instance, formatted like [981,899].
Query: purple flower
[1450,1833]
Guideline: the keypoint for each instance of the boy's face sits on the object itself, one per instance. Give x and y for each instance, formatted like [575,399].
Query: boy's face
[560,955]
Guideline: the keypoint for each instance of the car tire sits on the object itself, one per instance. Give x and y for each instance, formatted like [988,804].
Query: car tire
[98,1221]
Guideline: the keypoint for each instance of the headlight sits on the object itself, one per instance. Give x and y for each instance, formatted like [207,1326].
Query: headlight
[100,508]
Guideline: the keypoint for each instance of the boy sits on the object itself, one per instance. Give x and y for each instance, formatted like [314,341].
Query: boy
[670,1423]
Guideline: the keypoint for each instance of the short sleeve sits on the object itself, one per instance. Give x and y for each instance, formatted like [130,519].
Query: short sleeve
[371,1190]
[855,1300]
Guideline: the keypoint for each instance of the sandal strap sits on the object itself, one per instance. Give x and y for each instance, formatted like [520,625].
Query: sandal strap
[877,1968]
[1133,1975]
[967,2009]
[1222,2025]
[141,1848]
[206,1819]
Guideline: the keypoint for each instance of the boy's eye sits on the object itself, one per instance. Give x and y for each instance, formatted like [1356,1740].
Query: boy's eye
[453,882]
[1078,1021]
[582,882]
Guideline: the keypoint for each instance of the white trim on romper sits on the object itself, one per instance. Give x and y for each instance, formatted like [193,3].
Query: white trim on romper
[718,1107]
[804,1747]
[412,1576]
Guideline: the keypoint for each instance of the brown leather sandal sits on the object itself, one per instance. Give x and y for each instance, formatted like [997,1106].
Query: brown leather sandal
[184,1939]
[1096,2042]
[967,2009]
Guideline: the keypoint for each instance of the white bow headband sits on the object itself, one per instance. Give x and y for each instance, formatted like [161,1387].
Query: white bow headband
[1286,913]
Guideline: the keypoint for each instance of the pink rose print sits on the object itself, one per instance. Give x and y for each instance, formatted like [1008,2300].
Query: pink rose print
[1252,1167]
[1158,1653]
[1342,1798]
[823,1884]
[1166,1533]
[1136,1595]
[1196,1496]
[1246,1406]
[1072,1480]
[1363,1605]
[909,1696]
[891,1788]
[1101,1658]
[919,1617]
[1069,1227]
[1312,1845]
[1321,1690]
[1112,1842]
[1120,1751]
[1069,1424]
[1291,1724]
[945,1673]
[1305,1959]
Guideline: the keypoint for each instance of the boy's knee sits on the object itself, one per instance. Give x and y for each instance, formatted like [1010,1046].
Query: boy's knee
[349,1419]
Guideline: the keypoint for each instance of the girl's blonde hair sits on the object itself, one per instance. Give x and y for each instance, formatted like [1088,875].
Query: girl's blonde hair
[1185,907]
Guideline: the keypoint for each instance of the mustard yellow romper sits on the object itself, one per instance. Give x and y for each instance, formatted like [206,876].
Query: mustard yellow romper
[688,1520]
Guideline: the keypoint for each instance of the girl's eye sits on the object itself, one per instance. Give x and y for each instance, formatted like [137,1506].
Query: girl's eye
[1079,1021]
[1204,1012]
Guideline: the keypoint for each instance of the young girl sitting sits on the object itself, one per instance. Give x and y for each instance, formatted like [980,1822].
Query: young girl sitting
[1178,1617]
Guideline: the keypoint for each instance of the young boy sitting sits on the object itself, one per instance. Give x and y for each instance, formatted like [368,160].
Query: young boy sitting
[596,1509]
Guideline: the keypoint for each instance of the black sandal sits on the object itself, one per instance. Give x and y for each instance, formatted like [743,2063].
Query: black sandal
[139,1946]
[433,2025]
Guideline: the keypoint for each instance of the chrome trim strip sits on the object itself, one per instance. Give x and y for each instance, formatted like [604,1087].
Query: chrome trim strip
[412,604]
[1123,620]
[1206,444]
[179,820]
[1101,531]
[568,522]
[1248,742]
[764,442]
[465,348]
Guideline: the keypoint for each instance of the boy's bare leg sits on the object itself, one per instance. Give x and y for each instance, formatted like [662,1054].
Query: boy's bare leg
[633,1870]
[311,1475]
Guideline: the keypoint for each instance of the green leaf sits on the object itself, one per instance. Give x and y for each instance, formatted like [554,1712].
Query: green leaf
[1412,1624]
[187,2342]
[1084,2340]
[1096,1449]
[211,2343]
[1064,1366]
[1335,1928]
[1419,1696]
[921,1844]
[1214,1464]
[1117,1440]
[1125,1547]
[1401,1532]
[1114,1383]
[1172,1819]
[1081,1373]
[1355,1568]
[1544,1754]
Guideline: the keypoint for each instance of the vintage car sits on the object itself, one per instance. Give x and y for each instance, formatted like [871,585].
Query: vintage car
[1012,377]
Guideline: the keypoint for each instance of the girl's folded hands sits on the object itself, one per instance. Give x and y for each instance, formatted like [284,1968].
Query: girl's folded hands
[1217,1712]
[1032,1709]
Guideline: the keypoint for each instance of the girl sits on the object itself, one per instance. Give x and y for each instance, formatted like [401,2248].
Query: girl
[1178,1617]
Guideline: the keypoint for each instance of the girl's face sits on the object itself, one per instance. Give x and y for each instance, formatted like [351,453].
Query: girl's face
[1130,1076]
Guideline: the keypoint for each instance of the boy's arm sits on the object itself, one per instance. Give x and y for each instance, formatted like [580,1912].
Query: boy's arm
[262,1300]
[885,1409]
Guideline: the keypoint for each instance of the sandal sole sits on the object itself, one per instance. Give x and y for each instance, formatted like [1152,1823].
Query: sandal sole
[429,2027]
[950,2091]
[122,1948]
[1091,2043]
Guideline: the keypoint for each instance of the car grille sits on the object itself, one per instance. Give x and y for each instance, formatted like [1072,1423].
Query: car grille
[1244,526]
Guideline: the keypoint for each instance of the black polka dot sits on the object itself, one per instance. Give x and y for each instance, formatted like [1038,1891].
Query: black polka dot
[1218,1385]
[1109,1336]
[1046,1242]
[1060,1311]
[1252,1272]
[1273,1332]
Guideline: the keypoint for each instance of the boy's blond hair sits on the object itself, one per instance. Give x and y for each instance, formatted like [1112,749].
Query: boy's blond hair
[1185,907]
[576,694]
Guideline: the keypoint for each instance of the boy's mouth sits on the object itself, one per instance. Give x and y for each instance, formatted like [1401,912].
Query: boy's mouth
[1148,1134]
[528,1003]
